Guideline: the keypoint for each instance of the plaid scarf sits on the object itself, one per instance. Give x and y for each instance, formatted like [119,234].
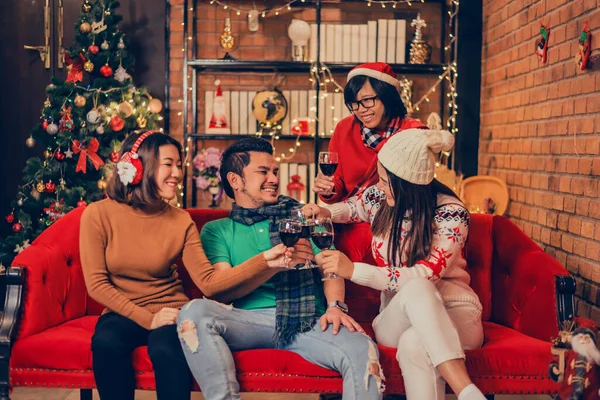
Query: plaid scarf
[294,289]
[372,139]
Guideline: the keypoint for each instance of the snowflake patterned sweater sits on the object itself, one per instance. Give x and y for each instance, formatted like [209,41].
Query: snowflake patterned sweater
[445,265]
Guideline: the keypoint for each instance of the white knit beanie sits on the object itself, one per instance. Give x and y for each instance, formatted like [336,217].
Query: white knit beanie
[411,154]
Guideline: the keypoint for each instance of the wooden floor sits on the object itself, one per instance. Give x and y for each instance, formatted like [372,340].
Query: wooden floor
[66,394]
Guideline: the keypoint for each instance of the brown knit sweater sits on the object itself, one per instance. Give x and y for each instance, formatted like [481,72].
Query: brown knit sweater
[128,260]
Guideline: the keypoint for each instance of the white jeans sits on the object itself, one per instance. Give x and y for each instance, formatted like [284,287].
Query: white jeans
[427,332]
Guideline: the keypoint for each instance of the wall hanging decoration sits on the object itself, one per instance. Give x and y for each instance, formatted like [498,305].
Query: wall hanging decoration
[541,44]
[585,47]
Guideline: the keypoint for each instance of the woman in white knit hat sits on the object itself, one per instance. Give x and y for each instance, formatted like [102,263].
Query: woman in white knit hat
[428,310]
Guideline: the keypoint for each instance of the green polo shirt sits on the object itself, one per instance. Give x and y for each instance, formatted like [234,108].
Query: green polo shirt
[225,240]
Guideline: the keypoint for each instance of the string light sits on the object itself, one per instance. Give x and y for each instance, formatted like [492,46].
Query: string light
[262,12]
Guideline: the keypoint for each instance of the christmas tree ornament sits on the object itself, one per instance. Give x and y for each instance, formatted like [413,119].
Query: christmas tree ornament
[75,67]
[68,153]
[50,87]
[88,66]
[20,202]
[62,183]
[47,103]
[125,108]
[107,12]
[585,47]
[10,218]
[17,227]
[101,184]
[85,151]
[121,44]
[81,203]
[541,44]
[49,187]
[141,121]
[114,156]
[85,27]
[218,120]
[106,70]
[100,130]
[86,7]
[155,106]
[116,123]
[48,153]
[30,142]
[54,211]
[79,101]
[40,187]
[93,116]
[52,129]
[59,155]
[66,120]
[105,45]
[121,74]
[420,50]
[94,49]
[99,26]
[44,124]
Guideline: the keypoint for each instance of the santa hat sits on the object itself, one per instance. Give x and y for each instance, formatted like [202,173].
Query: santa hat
[219,91]
[377,70]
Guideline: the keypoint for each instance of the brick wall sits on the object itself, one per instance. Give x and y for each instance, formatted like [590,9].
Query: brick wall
[271,42]
[540,131]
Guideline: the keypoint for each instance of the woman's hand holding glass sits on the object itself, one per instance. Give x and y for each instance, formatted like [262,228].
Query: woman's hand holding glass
[335,262]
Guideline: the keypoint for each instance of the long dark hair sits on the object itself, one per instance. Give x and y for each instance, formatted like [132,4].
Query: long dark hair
[416,203]
[145,195]
[386,93]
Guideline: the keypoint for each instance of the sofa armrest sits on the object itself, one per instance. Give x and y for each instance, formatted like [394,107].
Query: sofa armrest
[13,295]
[524,283]
[54,289]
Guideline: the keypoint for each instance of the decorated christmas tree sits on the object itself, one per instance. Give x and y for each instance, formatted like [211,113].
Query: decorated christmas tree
[82,124]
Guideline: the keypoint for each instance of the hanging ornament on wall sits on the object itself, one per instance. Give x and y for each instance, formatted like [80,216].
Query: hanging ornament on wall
[40,187]
[420,50]
[86,7]
[585,47]
[30,142]
[541,44]
[253,22]
[79,101]
[105,45]
[88,66]
[227,40]
[106,70]
[93,116]
[52,129]
[85,27]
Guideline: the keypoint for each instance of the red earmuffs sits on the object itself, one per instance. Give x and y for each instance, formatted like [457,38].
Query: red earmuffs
[129,167]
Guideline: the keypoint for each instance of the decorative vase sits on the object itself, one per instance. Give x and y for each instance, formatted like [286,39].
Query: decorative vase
[299,33]
[214,191]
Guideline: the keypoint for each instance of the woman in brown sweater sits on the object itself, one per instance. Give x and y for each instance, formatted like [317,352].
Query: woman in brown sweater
[129,244]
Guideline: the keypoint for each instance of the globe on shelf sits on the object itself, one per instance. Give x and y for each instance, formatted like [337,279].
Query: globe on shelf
[269,107]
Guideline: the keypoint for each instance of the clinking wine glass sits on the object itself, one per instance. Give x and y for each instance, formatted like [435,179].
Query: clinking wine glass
[307,224]
[328,162]
[289,233]
[322,237]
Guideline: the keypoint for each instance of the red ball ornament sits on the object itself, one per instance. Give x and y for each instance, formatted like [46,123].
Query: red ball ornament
[114,156]
[93,49]
[17,227]
[50,187]
[116,123]
[81,203]
[44,124]
[106,70]
[59,155]
[10,218]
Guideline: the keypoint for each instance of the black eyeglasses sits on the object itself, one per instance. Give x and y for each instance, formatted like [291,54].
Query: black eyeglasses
[367,102]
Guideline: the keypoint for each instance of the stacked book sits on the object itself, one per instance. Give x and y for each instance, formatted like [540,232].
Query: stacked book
[382,40]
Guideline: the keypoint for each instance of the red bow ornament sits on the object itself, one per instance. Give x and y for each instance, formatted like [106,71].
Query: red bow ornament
[90,150]
[75,68]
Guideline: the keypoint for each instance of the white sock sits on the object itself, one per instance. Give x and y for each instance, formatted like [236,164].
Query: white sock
[471,392]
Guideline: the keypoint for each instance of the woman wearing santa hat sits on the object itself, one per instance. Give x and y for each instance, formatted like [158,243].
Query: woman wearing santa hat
[372,94]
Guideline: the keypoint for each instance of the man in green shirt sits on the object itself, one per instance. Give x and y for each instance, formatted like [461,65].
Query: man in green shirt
[284,308]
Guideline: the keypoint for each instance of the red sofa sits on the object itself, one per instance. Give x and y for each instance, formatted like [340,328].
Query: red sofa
[49,319]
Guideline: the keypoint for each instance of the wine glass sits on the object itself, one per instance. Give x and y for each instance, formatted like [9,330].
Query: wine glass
[322,237]
[289,233]
[328,162]
[307,224]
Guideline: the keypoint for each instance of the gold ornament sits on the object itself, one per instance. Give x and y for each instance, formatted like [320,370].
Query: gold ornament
[47,153]
[86,7]
[88,66]
[126,109]
[227,40]
[79,101]
[30,142]
[420,50]
[47,103]
[85,27]
[155,106]
[40,187]
[141,121]
[101,184]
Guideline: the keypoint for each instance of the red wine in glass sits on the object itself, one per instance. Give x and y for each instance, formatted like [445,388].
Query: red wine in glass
[322,237]
[322,240]
[328,162]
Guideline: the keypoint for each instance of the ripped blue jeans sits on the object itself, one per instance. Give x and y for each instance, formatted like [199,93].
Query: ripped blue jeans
[210,331]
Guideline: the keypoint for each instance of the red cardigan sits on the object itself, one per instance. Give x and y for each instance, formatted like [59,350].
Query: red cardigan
[354,157]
